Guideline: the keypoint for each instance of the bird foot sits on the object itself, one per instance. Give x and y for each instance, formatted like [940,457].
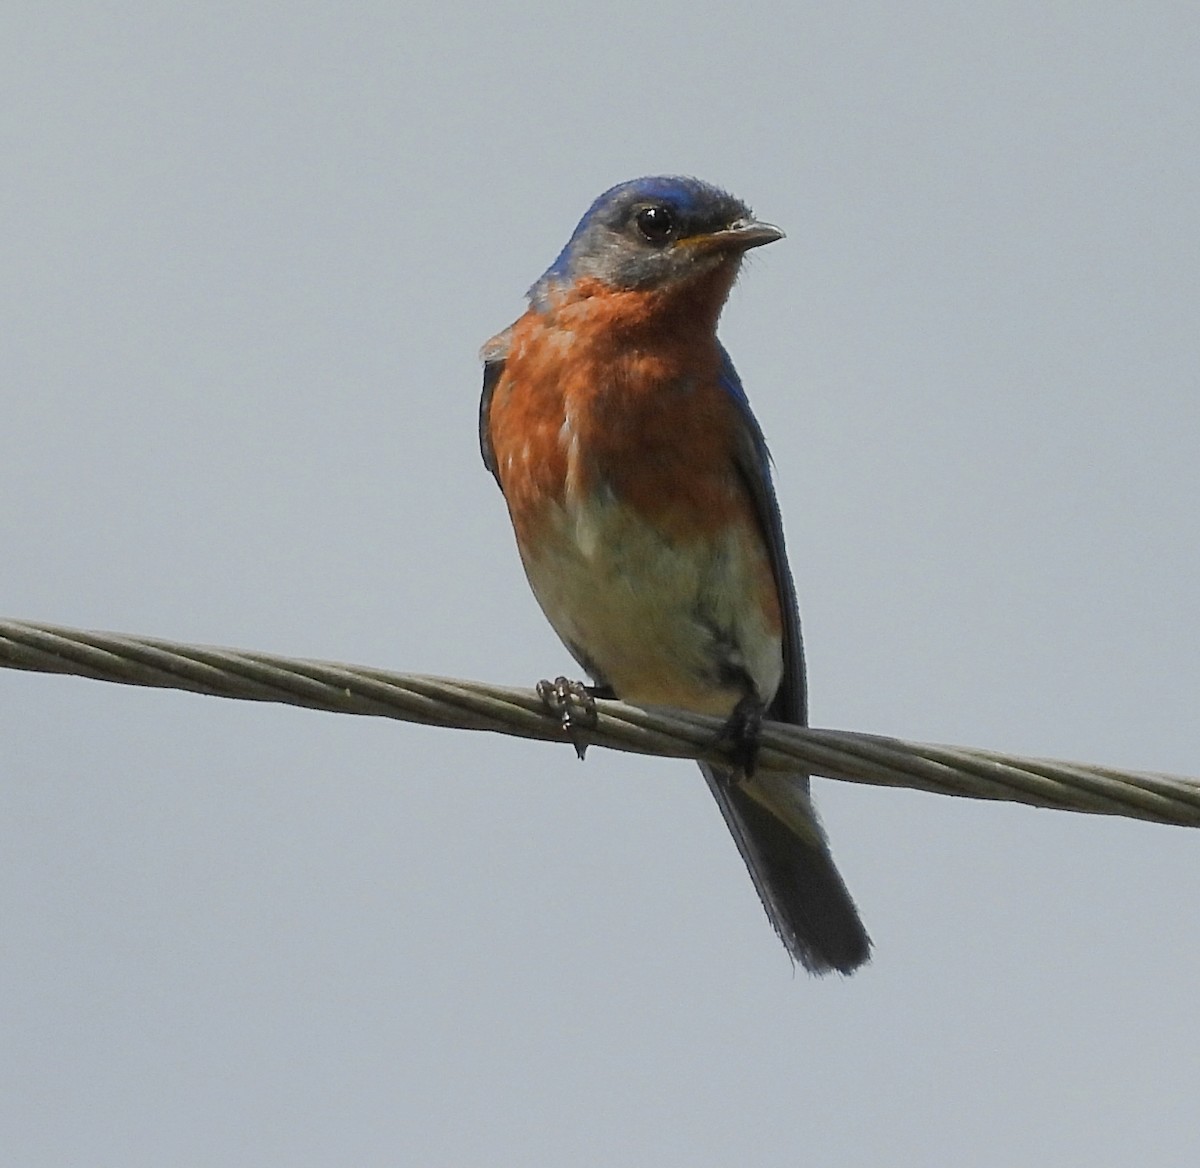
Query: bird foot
[740,735]
[574,704]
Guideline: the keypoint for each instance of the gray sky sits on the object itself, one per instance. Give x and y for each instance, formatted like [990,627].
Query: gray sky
[249,257]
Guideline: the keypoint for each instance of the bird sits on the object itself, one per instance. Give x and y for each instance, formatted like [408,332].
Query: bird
[639,488]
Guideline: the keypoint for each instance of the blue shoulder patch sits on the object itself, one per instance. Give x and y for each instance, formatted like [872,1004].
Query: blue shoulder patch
[732,384]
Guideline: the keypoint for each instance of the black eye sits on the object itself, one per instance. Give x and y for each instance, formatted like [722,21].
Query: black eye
[655,223]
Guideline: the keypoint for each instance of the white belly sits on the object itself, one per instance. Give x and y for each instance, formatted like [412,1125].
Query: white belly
[663,622]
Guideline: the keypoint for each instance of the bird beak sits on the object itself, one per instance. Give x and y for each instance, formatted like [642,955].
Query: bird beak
[741,235]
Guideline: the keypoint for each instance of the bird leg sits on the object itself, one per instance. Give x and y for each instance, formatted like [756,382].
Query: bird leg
[574,704]
[741,733]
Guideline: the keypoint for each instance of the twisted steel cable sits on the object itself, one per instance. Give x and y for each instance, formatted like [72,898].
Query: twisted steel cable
[468,705]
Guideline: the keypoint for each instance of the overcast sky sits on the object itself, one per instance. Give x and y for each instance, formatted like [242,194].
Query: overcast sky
[249,254]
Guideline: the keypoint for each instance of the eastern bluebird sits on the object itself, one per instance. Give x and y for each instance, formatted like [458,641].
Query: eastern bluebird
[639,488]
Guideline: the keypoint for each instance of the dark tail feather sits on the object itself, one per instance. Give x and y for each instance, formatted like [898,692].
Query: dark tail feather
[792,869]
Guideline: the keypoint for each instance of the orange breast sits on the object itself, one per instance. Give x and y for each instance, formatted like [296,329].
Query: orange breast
[615,391]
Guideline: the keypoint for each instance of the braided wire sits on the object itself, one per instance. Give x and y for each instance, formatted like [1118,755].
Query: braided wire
[467,705]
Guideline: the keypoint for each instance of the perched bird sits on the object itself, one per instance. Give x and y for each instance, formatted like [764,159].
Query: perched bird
[639,488]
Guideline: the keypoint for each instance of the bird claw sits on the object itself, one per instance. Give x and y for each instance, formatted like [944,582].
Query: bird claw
[574,704]
[740,736]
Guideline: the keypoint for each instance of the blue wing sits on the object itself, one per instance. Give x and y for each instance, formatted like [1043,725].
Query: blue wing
[494,354]
[754,466]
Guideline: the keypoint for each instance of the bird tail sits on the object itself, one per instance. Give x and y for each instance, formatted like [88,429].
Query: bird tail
[772,819]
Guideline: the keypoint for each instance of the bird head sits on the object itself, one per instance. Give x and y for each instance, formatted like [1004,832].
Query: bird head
[653,232]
